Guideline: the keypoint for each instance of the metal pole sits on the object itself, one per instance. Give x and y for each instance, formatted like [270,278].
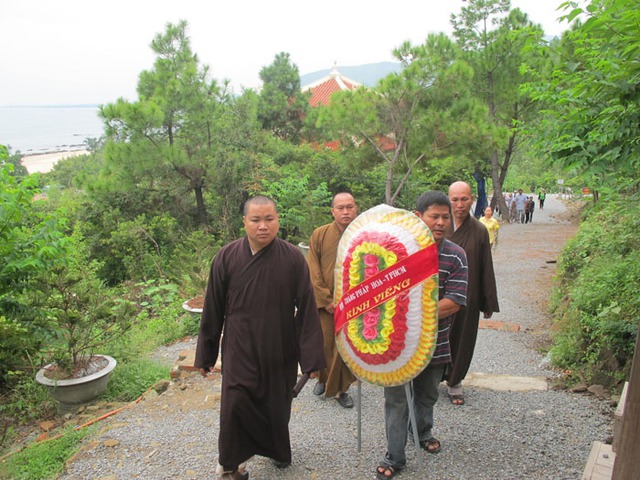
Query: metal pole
[412,417]
[359,414]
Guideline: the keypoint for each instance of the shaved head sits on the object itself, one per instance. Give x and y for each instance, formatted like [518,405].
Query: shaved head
[259,200]
[460,187]
[343,209]
[461,201]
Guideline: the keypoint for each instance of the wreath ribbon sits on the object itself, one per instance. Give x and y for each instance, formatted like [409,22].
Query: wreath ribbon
[385,285]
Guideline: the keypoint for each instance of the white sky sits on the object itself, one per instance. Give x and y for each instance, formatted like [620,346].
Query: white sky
[92,51]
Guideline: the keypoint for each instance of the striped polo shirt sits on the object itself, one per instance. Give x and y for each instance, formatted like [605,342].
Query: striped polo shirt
[452,284]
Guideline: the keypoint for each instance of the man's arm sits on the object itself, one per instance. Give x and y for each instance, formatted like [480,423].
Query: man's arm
[447,307]
[212,319]
[455,286]
[311,353]
[323,296]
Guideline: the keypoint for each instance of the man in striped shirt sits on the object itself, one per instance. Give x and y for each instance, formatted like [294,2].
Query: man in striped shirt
[434,208]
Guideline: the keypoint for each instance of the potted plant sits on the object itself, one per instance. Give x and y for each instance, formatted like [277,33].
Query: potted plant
[82,316]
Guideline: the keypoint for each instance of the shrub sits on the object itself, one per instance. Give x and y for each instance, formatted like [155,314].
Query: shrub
[31,244]
[597,304]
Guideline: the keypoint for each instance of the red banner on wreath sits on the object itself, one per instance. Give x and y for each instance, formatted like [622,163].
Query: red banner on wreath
[385,285]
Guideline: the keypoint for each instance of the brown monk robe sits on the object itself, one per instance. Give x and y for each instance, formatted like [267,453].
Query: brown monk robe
[262,300]
[482,295]
[336,377]
[323,246]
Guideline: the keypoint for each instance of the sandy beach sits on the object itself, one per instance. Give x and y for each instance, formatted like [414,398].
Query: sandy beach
[44,163]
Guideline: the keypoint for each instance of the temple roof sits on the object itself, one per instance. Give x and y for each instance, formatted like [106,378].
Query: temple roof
[323,89]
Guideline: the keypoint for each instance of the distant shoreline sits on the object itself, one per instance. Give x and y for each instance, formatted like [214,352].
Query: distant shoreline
[44,162]
[62,105]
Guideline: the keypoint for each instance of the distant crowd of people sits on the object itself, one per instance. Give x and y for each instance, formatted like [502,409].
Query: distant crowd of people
[520,207]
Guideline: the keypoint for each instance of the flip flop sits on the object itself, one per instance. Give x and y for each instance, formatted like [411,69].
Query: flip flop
[456,399]
[235,475]
[381,471]
[432,445]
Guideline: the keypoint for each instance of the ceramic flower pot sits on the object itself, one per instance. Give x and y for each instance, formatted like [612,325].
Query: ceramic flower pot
[194,305]
[74,392]
[304,248]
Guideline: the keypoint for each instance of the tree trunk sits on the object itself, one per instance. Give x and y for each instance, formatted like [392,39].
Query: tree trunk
[498,172]
[387,185]
[200,208]
[508,153]
[498,197]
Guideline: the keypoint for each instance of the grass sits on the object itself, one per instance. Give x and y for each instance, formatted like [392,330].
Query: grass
[44,460]
[132,379]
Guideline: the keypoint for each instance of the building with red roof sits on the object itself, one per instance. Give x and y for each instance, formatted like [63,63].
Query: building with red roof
[321,90]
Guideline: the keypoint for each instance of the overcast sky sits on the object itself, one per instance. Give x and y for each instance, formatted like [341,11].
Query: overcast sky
[92,51]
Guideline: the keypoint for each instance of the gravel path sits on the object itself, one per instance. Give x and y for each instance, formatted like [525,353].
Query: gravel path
[496,435]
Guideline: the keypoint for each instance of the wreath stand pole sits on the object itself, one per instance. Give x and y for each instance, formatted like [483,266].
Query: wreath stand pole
[359,415]
[412,417]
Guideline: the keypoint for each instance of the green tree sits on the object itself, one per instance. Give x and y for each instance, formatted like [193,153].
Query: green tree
[495,40]
[15,159]
[283,107]
[241,159]
[170,132]
[591,122]
[423,113]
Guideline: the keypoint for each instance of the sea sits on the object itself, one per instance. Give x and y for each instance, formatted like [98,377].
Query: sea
[35,130]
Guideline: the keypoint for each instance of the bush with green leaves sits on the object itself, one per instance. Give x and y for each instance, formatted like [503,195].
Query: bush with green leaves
[135,249]
[32,243]
[161,320]
[81,313]
[301,207]
[597,303]
[190,262]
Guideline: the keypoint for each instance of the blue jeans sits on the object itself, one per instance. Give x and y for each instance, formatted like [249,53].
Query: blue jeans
[396,413]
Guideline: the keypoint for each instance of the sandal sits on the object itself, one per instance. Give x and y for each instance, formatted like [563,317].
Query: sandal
[431,445]
[384,472]
[235,475]
[456,399]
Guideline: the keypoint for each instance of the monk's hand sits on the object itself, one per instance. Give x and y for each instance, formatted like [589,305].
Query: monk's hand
[330,308]
[313,374]
[487,314]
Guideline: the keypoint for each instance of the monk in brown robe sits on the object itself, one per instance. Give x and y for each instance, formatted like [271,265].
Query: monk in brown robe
[334,380]
[482,295]
[260,299]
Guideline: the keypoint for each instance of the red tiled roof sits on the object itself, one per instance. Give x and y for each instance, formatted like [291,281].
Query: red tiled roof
[323,89]
[332,145]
